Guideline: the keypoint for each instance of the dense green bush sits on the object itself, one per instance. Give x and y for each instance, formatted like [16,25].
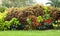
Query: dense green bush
[13,23]
[34,17]
[2,19]
[7,25]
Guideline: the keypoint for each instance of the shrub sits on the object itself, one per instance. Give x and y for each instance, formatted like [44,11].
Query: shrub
[56,24]
[32,17]
[2,9]
[7,25]
[13,23]
[2,19]
[21,12]
[39,19]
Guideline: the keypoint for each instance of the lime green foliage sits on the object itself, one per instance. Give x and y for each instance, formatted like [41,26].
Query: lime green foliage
[28,21]
[2,17]
[5,25]
[14,21]
[46,13]
[8,23]
[1,24]
[39,18]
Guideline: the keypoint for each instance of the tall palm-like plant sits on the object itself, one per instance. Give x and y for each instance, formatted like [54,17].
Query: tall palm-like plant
[16,3]
[55,3]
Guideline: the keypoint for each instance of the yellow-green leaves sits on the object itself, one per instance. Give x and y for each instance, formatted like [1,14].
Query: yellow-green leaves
[3,15]
[28,20]
[14,21]
[39,18]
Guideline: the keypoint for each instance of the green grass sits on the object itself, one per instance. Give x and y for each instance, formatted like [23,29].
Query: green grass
[31,33]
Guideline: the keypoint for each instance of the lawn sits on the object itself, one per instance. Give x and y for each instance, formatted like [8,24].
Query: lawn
[31,33]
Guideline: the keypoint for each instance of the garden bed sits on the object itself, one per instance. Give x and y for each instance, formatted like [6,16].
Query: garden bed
[36,17]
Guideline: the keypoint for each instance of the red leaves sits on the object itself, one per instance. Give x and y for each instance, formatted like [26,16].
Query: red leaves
[49,21]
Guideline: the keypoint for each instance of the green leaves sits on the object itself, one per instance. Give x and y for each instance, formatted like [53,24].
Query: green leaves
[14,21]
[39,18]
[3,15]
[2,20]
[28,20]
[54,3]
[46,16]
[5,25]
[46,13]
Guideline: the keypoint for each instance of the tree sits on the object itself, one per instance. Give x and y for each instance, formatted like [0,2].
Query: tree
[55,3]
[17,3]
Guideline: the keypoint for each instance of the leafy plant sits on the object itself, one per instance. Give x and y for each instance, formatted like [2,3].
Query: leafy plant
[13,23]
[39,18]
[2,9]
[2,19]
[28,21]
[6,25]
[56,24]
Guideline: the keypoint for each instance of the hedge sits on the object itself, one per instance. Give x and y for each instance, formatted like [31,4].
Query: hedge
[36,17]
